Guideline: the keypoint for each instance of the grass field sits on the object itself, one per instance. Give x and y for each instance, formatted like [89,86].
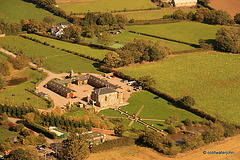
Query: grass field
[105,5]
[211,79]
[153,14]
[54,59]
[189,32]
[97,53]
[3,57]
[153,109]
[21,95]
[126,37]
[5,134]
[16,10]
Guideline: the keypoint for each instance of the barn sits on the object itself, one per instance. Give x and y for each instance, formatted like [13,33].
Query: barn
[183,3]
[60,89]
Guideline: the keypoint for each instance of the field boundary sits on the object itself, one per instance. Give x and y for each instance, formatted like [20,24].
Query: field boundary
[65,50]
[168,39]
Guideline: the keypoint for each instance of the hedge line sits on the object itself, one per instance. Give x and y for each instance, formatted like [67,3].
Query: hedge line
[42,130]
[123,141]
[189,51]
[65,50]
[153,21]
[116,11]
[191,44]
[80,43]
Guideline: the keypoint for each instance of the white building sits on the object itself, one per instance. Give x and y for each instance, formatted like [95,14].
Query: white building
[182,3]
[57,29]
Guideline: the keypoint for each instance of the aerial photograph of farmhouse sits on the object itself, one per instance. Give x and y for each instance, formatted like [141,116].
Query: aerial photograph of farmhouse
[120,79]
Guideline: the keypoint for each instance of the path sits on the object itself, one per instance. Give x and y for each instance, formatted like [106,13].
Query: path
[142,122]
[136,115]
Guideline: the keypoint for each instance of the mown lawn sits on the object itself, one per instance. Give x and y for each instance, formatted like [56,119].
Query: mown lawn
[16,10]
[153,14]
[76,112]
[189,32]
[54,60]
[153,109]
[213,80]
[21,95]
[97,53]
[105,5]
[126,37]
[5,134]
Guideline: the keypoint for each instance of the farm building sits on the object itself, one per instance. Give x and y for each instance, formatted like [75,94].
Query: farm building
[60,89]
[105,96]
[57,29]
[95,137]
[182,3]
[66,82]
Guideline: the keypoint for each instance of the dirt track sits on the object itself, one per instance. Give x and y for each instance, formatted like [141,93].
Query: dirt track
[232,6]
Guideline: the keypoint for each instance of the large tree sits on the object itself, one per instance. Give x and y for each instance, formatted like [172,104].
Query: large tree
[105,39]
[228,40]
[237,18]
[146,81]
[112,59]
[76,147]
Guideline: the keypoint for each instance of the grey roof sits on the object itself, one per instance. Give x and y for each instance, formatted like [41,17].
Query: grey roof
[62,23]
[82,78]
[102,82]
[104,90]
[60,87]
[65,81]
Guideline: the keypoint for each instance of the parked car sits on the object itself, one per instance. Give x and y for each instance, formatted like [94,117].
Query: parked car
[124,81]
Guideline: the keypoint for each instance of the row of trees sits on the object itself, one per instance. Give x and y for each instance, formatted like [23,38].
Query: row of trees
[136,51]
[31,26]
[94,24]
[205,15]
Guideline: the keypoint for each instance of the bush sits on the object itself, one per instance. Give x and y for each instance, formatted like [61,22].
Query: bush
[188,122]
[171,129]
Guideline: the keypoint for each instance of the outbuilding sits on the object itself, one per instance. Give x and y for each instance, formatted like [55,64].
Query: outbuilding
[182,3]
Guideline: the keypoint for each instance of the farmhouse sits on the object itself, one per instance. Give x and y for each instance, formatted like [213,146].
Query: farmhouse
[181,3]
[57,29]
[60,89]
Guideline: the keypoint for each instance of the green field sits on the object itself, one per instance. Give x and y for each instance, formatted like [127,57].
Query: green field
[54,59]
[97,53]
[21,95]
[153,14]
[3,57]
[189,32]
[105,5]
[126,37]
[211,79]
[5,134]
[153,109]
[16,10]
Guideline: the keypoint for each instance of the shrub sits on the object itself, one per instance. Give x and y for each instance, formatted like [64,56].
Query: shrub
[188,122]
[171,129]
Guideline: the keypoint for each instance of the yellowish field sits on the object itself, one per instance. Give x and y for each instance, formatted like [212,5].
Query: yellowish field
[141,153]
